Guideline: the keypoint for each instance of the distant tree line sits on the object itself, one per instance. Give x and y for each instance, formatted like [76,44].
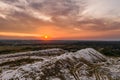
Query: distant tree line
[109,48]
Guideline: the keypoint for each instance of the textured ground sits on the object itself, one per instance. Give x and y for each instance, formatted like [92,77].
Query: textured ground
[58,64]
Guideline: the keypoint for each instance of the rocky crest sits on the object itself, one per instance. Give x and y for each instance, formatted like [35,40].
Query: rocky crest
[85,64]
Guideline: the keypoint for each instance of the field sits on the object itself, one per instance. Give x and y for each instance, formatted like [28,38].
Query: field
[109,48]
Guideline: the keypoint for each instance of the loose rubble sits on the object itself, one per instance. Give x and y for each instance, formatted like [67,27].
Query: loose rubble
[85,64]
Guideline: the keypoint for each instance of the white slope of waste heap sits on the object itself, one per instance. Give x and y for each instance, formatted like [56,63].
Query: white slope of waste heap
[80,65]
[47,52]
[91,55]
[22,55]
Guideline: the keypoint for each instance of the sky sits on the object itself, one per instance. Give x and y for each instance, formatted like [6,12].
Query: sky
[60,19]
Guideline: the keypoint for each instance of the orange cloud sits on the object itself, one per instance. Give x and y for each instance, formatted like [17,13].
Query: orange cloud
[18,34]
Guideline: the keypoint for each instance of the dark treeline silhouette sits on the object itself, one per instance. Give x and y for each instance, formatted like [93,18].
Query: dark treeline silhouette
[109,48]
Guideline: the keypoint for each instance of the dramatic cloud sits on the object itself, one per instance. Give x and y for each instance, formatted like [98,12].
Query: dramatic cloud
[27,16]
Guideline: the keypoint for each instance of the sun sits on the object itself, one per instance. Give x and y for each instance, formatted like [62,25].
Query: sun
[45,37]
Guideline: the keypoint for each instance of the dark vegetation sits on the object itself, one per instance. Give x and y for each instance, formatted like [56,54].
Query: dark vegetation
[109,48]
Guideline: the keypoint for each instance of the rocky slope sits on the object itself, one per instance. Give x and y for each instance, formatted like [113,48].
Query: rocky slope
[31,54]
[85,64]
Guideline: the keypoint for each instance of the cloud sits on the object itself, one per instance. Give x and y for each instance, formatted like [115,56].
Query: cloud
[98,24]
[24,15]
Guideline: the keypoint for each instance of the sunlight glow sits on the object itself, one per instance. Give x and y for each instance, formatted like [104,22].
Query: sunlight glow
[18,34]
[46,37]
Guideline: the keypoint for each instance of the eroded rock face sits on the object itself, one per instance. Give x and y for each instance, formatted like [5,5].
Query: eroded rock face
[90,55]
[85,64]
[31,54]
[47,52]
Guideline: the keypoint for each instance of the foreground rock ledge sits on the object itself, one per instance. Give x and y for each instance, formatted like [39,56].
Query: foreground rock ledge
[29,54]
[85,64]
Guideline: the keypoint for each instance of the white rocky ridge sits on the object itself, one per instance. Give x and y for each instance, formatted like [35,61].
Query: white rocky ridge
[31,54]
[54,51]
[85,64]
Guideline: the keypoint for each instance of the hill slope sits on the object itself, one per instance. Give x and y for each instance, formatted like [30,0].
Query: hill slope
[85,64]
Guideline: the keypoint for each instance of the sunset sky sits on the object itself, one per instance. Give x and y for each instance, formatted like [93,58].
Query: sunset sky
[60,19]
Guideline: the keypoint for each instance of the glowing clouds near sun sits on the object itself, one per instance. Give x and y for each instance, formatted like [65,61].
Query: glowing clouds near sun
[61,18]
